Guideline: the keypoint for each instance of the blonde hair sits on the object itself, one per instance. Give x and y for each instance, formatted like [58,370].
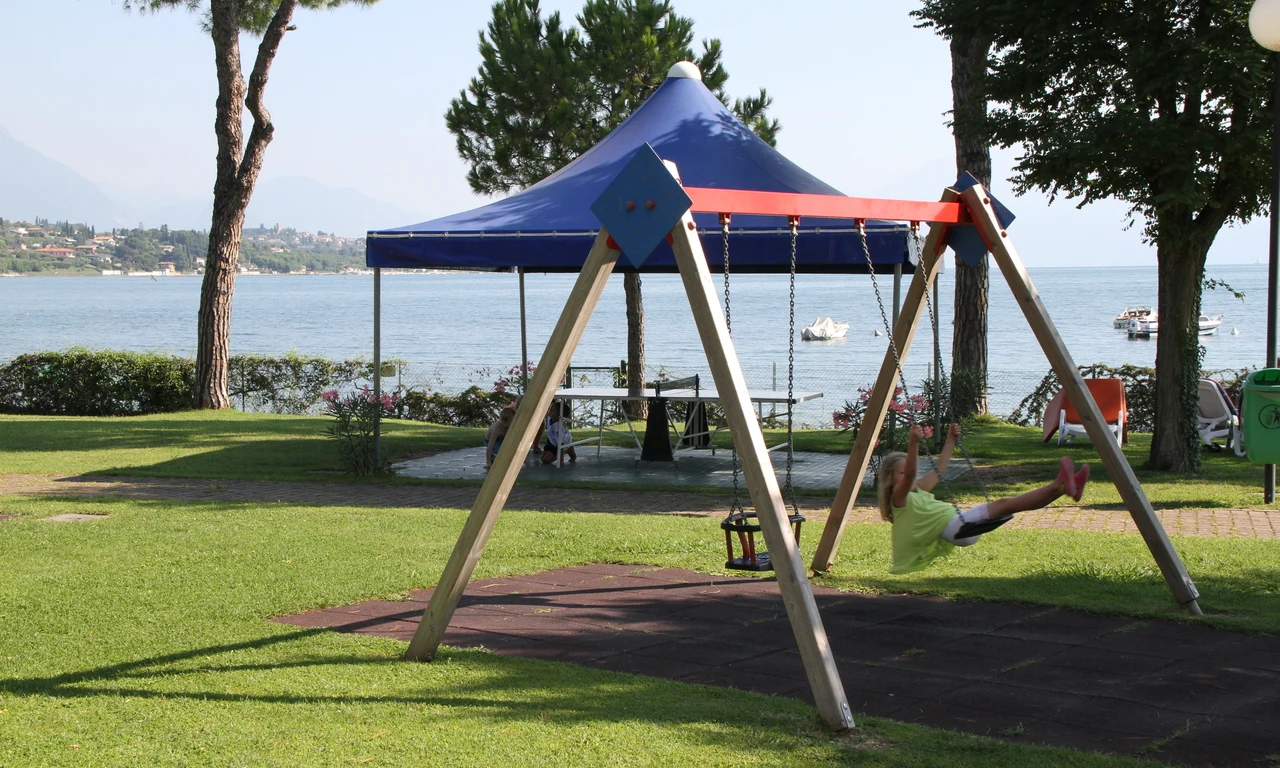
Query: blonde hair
[884,482]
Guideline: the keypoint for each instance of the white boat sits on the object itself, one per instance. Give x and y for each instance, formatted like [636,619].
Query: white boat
[1143,328]
[824,329]
[1130,313]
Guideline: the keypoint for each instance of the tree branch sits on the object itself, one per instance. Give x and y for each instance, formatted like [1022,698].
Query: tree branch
[260,136]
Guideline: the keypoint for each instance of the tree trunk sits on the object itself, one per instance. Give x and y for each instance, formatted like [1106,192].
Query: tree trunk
[973,154]
[635,343]
[238,166]
[1175,444]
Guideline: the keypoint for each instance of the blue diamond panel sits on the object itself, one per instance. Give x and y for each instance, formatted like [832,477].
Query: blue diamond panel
[641,205]
[965,239]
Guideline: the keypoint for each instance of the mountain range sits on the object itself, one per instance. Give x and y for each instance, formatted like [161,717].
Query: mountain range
[33,184]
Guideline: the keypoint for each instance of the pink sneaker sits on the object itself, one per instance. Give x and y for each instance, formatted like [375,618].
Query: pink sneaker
[1066,475]
[1079,480]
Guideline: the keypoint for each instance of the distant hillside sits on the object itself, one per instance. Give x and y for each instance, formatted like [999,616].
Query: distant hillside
[309,206]
[37,185]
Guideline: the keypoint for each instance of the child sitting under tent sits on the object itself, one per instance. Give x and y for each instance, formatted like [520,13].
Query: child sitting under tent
[559,440]
[924,528]
[497,432]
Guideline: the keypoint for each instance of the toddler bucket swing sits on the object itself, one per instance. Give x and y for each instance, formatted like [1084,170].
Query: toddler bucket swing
[742,524]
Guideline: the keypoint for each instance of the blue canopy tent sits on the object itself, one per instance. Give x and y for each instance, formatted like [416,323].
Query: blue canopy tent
[549,227]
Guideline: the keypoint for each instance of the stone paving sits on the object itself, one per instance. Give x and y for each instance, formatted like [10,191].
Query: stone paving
[810,471]
[1174,692]
[1230,523]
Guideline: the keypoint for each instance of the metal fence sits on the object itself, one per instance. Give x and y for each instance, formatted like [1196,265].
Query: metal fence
[1005,388]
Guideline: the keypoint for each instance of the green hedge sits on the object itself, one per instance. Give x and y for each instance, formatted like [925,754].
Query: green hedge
[82,382]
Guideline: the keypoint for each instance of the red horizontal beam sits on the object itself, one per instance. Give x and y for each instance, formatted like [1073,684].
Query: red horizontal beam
[731,201]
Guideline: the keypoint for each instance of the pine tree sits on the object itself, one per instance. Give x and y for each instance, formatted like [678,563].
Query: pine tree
[547,92]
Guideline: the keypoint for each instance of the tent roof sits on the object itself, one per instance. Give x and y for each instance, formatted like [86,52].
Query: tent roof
[550,226]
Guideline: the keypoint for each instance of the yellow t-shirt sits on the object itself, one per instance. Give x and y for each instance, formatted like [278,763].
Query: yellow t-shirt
[916,532]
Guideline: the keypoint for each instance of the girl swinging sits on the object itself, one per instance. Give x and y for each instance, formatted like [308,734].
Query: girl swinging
[924,528]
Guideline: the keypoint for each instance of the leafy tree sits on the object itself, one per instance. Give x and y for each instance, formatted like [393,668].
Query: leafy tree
[239,160]
[546,92]
[1164,105]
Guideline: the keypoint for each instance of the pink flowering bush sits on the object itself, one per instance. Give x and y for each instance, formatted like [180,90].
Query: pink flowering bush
[908,409]
[355,416]
[513,380]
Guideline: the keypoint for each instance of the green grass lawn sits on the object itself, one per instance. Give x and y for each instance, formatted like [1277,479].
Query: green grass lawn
[142,640]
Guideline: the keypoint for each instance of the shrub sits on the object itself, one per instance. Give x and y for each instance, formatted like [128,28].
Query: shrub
[289,384]
[82,382]
[916,409]
[355,419]
[474,407]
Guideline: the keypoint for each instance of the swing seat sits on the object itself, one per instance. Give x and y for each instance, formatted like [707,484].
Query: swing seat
[746,525]
[986,526]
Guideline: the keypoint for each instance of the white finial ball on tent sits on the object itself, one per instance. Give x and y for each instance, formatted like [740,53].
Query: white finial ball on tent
[1264,23]
[685,69]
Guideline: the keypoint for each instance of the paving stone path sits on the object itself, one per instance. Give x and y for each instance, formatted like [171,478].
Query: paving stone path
[1240,523]
[1163,690]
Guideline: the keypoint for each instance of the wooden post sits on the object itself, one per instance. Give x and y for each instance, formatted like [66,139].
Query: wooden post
[508,461]
[904,330]
[1118,469]
[762,483]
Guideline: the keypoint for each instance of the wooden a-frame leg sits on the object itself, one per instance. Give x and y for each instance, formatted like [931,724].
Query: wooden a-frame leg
[762,483]
[881,394]
[508,461]
[1118,469]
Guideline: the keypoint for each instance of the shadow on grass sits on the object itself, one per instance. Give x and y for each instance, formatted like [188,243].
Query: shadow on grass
[503,690]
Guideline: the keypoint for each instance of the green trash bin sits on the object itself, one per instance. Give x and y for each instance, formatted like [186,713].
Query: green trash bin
[1260,416]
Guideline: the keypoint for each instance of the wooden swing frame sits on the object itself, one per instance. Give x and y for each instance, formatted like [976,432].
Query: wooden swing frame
[762,484]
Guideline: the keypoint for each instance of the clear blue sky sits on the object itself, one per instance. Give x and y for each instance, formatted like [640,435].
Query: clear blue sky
[358,97]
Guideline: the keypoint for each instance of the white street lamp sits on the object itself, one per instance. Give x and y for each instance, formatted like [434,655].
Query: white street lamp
[1264,25]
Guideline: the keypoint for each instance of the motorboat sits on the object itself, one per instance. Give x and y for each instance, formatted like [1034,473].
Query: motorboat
[824,329]
[1130,313]
[1143,328]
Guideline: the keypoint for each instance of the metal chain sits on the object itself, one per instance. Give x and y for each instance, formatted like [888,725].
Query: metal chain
[791,368]
[735,506]
[950,414]
[884,317]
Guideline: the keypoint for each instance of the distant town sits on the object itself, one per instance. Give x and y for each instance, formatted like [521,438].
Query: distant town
[41,248]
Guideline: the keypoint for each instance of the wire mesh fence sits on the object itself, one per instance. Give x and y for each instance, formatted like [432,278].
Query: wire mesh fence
[1005,389]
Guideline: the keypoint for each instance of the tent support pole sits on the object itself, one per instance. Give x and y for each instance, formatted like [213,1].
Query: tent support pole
[377,364]
[897,293]
[524,338]
[904,330]
[1118,469]
[762,483]
[508,462]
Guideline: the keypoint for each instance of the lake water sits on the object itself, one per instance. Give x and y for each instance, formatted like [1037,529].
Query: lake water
[449,326]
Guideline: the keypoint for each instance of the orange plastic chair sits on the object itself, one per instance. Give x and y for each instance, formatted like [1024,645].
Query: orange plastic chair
[1110,397]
